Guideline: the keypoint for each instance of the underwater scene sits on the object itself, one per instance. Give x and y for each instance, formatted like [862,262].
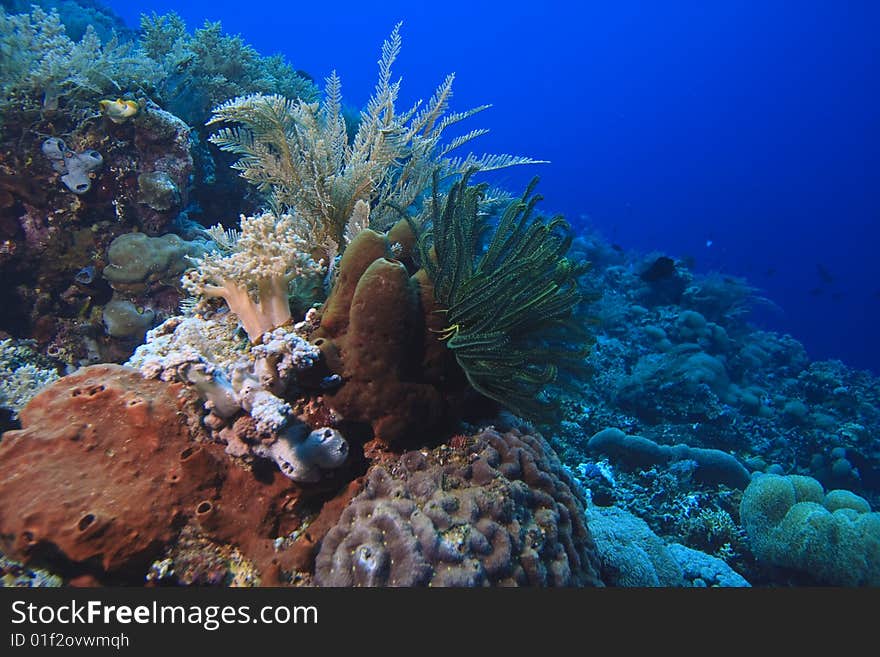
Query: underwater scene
[485,294]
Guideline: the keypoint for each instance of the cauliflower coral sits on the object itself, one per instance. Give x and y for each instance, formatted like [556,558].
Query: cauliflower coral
[251,270]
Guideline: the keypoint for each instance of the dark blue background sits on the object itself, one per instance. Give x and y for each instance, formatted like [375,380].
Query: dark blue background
[752,124]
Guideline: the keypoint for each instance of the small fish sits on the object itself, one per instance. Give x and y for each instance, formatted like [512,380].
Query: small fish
[824,274]
[119,110]
[332,381]
[85,275]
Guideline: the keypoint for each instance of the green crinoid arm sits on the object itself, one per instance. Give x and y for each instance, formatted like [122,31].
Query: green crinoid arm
[508,309]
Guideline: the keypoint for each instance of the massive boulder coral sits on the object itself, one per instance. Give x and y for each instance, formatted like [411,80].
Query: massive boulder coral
[490,509]
[137,262]
[144,273]
[792,522]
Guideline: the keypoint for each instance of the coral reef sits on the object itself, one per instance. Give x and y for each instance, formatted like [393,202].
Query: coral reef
[499,510]
[52,235]
[110,466]
[370,301]
[687,371]
[86,97]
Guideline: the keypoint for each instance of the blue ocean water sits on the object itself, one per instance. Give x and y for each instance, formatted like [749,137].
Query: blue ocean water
[743,135]
[738,138]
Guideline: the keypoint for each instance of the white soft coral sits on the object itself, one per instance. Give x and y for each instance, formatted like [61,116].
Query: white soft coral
[252,273]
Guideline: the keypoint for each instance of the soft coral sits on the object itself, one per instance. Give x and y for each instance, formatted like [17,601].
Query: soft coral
[253,270]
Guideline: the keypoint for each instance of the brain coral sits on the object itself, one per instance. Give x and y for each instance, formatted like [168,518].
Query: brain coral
[495,509]
[792,523]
